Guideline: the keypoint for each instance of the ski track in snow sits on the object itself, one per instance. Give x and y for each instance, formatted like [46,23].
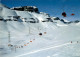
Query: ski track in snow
[43,49]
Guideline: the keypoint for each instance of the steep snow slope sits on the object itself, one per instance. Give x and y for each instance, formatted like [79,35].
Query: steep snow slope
[23,39]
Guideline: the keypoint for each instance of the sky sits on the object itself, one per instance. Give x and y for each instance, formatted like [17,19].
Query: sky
[52,7]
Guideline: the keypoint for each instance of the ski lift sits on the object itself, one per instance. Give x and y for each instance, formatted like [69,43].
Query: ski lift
[40,33]
[72,14]
[25,45]
[21,46]
[30,41]
[9,44]
[64,14]
[44,32]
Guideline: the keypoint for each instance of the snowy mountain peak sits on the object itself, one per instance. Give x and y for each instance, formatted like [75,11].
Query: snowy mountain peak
[26,8]
[2,5]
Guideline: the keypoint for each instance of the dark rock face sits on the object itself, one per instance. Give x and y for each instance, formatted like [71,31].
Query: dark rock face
[77,21]
[57,18]
[27,8]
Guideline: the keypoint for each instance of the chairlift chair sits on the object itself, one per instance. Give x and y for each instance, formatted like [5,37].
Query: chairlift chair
[72,14]
[64,14]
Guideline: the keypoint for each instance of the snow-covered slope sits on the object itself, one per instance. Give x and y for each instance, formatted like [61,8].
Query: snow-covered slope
[27,38]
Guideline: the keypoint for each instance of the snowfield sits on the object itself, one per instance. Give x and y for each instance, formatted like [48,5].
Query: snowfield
[42,38]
